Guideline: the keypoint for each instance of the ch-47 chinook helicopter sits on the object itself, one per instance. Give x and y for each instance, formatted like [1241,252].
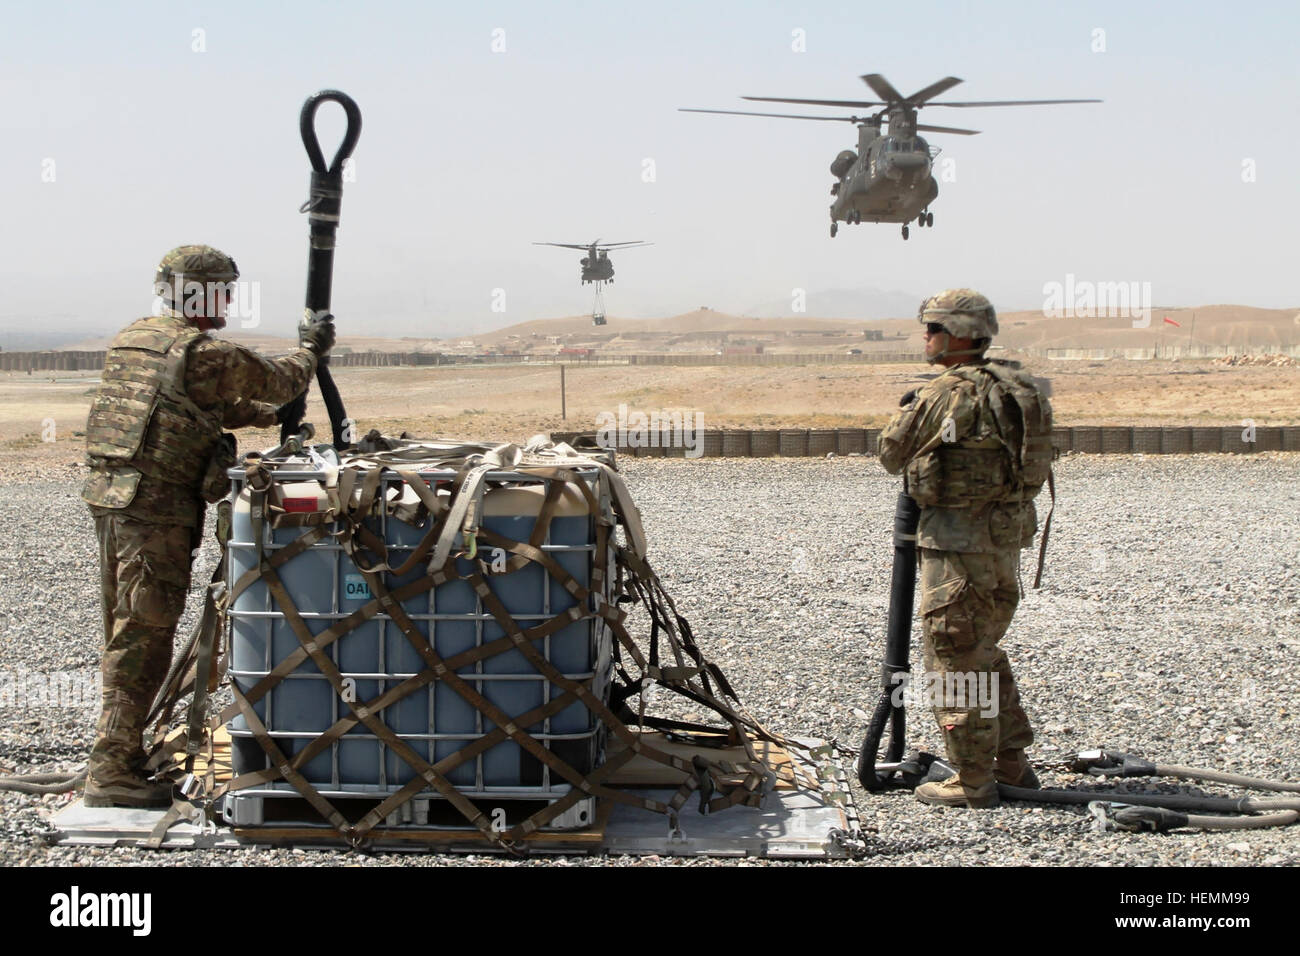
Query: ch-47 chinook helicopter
[888,178]
[597,268]
[596,265]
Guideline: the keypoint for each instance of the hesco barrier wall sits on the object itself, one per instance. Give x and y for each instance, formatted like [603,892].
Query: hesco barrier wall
[52,361]
[1086,439]
[62,360]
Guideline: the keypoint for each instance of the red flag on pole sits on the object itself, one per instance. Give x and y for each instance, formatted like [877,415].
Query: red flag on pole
[1172,322]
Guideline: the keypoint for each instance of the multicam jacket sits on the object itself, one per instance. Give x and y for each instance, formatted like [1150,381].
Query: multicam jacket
[155,425]
[975,444]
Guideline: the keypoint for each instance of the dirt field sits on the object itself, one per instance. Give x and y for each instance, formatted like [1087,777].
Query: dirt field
[514,402]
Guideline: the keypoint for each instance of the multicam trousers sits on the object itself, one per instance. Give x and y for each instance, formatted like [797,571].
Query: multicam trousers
[144,578]
[967,602]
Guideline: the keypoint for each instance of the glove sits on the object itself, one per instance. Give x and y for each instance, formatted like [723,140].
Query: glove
[317,334]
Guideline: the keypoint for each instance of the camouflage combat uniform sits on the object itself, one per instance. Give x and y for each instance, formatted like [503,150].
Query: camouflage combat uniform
[960,446]
[155,449]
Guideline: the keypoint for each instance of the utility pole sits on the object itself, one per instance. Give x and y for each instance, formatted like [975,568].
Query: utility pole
[563,410]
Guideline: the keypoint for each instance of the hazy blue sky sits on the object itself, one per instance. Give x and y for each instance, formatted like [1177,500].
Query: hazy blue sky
[468,155]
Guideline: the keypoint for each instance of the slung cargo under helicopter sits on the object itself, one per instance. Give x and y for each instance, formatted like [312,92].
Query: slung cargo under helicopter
[888,179]
[597,267]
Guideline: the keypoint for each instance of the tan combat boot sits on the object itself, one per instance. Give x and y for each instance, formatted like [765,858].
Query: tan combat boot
[978,791]
[115,777]
[126,789]
[1012,768]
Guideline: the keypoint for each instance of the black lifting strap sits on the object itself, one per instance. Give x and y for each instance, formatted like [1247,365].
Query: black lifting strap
[322,210]
[1047,530]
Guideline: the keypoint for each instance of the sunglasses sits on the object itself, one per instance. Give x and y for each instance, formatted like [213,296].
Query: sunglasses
[934,328]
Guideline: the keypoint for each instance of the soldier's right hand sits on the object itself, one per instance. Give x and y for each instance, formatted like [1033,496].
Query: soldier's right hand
[317,334]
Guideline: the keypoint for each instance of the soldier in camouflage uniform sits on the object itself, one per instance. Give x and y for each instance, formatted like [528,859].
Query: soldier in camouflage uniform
[975,444]
[157,452]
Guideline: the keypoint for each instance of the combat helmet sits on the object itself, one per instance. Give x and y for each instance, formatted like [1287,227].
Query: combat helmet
[196,263]
[964,314]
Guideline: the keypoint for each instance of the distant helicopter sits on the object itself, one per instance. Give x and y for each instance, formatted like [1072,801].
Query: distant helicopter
[596,265]
[597,268]
[888,179]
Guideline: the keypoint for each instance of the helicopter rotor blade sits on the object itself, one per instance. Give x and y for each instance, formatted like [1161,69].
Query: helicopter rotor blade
[947,129]
[933,90]
[563,245]
[850,103]
[1012,103]
[836,119]
[882,88]
[631,242]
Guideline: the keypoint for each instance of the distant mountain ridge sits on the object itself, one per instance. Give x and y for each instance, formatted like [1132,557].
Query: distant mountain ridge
[691,331]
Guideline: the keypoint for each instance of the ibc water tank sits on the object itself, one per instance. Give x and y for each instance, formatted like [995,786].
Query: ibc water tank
[375,656]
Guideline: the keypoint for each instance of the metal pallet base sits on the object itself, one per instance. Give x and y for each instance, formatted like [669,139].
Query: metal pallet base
[288,809]
[791,825]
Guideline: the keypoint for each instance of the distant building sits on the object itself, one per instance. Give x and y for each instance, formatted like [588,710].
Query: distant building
[743,350]
[874,335]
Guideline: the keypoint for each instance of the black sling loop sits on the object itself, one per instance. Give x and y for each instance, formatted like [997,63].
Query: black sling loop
[322,210]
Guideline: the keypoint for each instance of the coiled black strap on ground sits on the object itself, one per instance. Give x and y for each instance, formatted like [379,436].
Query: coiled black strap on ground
[1171,801]
[1216,776]
[40,783]
[1256,822]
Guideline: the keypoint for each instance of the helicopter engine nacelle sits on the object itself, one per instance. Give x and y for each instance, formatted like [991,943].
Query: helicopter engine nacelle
[843,163]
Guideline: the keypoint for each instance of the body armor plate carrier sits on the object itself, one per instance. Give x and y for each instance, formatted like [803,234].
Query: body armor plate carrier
[142,421]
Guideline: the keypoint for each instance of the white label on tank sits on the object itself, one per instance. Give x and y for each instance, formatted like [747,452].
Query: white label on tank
[355,588]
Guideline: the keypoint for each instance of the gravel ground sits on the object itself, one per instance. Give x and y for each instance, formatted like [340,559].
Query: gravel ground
[1167,625]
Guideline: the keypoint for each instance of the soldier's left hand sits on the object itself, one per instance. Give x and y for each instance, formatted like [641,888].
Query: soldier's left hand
[317,333]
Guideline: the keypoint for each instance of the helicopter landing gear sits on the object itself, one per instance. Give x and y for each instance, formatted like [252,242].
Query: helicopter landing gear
[929,220]
[904,231]
[835,227]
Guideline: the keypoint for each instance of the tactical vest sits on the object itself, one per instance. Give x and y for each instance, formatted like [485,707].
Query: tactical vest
[1005,457]
[142,421]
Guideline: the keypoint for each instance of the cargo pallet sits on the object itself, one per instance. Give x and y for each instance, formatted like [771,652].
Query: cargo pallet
[793,823]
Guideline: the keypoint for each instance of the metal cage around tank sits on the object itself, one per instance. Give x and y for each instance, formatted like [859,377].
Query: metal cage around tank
[375,656]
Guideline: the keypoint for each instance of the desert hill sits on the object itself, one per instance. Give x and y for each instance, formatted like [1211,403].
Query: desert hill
[706,330]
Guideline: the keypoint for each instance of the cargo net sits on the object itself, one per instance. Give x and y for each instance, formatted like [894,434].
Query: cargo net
[667,657]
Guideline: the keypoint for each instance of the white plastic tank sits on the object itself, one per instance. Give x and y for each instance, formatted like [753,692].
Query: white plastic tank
[375,656]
